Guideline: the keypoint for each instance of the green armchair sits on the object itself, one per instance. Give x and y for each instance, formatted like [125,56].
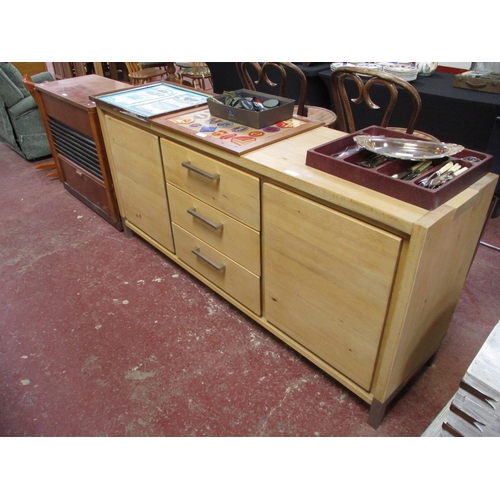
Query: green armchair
[21,126]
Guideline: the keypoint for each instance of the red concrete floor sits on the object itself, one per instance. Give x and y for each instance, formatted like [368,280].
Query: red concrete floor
[101,335]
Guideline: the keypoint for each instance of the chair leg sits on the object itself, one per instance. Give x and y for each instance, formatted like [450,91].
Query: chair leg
[49,164]
[490,213]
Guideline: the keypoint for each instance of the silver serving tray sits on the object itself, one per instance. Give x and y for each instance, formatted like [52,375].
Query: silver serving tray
[407,149]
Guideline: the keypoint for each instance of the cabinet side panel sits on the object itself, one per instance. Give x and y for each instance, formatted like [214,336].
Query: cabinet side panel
[440,252]
[138,172]
[327,280]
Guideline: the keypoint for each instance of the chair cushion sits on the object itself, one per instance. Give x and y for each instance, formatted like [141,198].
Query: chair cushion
[45,76]
[9,93]
[199,71]
[12,88]
[20,108]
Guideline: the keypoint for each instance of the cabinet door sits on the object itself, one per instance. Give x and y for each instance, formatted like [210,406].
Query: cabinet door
[138,175]
[327,280]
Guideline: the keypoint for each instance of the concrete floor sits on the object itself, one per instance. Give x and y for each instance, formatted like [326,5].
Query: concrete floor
[101,335]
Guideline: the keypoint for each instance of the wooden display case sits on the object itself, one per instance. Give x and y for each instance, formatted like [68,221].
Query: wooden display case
[75,138]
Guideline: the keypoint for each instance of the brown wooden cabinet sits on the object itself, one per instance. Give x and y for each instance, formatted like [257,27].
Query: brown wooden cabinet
[75,137]
[361,284]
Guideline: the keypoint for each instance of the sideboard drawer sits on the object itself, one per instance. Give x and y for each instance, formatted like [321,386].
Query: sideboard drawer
[218,184]
[225,234]
[224,272]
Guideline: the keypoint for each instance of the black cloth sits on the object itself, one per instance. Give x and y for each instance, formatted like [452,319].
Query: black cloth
[451,114]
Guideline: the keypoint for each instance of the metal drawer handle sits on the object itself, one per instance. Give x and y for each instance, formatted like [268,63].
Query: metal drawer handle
[196,170]
[208,222]
[218,267]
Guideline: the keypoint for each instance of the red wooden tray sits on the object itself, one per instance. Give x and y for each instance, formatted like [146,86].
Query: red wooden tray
[379,178]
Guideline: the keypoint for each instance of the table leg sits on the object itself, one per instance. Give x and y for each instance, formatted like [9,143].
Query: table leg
[171,73]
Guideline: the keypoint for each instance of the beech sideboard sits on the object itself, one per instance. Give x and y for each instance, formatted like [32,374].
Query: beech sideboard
[361,284]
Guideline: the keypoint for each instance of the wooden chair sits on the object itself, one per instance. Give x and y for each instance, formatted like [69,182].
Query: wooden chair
[365,79]
[169,67]
[286,80]
[139,75]
[196,74]
[50,164]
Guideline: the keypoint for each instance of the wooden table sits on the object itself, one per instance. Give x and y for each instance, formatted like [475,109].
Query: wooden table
[170,69]
[146,75]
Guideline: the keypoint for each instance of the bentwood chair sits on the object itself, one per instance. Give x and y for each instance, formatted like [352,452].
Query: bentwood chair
[286,80]
[369,80]
[138,75]
[196,74]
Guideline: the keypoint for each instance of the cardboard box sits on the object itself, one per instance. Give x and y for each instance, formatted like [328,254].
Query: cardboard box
[254,119]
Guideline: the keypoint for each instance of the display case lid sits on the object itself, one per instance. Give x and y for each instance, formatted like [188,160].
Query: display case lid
[151,100]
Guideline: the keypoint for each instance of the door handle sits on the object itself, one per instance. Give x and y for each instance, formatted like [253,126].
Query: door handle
[208,260]
[199,171]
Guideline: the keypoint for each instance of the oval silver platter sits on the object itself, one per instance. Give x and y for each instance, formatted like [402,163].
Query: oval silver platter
[407,149]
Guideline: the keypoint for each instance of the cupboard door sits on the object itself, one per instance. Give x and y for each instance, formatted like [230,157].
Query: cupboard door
[138,175]
[327,280]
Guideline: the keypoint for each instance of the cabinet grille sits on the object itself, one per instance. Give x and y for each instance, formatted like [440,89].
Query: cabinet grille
[77,147]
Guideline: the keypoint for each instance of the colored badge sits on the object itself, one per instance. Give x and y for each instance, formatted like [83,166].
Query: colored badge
[241,140]
[208,129]
[240,128]
[256,133]
[183,121]
[291,123]
[271,129]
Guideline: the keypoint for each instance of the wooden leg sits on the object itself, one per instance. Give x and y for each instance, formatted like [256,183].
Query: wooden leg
[378,409]
[377,412]
[431,360]
[126,230]
[48,164]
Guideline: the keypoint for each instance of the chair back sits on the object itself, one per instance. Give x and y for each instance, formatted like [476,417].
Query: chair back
[133,66]
[284,79]
[366,79]
[200,69]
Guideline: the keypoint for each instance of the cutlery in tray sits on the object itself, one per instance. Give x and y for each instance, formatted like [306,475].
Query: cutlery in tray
[423,173]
